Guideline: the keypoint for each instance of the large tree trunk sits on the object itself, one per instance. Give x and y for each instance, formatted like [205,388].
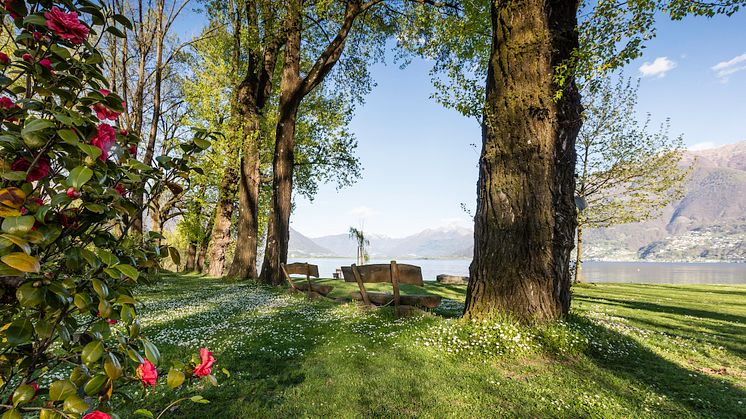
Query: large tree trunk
[221,229]
[278,233]
[525,219]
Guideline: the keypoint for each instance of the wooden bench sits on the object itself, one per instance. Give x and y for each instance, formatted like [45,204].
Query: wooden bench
[309,271]
[394,274]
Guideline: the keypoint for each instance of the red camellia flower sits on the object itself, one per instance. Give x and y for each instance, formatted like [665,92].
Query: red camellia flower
[39,171]
[6,103]
[205,368]
[104,140]
[4,59]
[28,58]
[104,113]
[133,149]
[46,63]
[120,189]
[147,373]
[37,36]
[97,415]
[72,193]
[66,25]
[104,92]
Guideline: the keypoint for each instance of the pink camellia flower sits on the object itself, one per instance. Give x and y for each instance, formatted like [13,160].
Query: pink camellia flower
[111,321]
[147,373]
[6,103]
[4,59]
[97,415]
[104,113]
[104,140]
[46,63]
[39,171]
[205,368]
[28,58]
[72,194]
[66,25]
[104,92]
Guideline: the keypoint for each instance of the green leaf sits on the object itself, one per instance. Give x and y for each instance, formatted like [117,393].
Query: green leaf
[23,394]
[22,262]
[29,295]
[16,225]
[35,125]
[107,257]
[100,287]
[90,150]
[128,271]
[175,378]
[144,412]
[175,257]
[95,385]
[19,332]
[23,244]
[79,176]
[74,404]
[62,389]
[92,352]
[151,352]
[34,20]
[116,32]
[68,136]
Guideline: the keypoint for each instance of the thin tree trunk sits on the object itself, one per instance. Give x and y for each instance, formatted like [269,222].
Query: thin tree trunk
[579,256]
[525,218]
[202,256]
[191,255]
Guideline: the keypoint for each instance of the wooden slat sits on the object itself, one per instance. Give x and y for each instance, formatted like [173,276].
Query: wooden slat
[382,298]
[408,274]
[300,268]
[363,292]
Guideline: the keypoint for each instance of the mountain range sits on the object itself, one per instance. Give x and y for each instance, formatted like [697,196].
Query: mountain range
[707,224]
[444,242]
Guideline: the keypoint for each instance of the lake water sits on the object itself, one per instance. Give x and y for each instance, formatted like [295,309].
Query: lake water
[642,272]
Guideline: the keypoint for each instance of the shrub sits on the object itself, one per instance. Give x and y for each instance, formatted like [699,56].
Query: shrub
[67,261]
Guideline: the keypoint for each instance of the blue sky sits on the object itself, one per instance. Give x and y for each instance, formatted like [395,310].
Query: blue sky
[419,165]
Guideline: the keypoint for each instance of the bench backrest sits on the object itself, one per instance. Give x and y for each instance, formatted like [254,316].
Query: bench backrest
[300,268]
[408,274]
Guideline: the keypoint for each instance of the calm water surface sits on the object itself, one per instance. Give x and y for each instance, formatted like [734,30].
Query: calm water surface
[643,272]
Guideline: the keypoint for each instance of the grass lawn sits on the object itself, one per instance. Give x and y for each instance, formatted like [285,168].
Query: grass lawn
[628,351]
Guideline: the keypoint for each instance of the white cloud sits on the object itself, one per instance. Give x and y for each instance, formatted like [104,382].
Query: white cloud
[724,69]
[659,67]
[363,212]
[702,146]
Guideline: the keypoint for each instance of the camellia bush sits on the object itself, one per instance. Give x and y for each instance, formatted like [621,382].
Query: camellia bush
[70,341]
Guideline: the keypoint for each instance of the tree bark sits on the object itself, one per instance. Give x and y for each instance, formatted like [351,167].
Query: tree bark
[221,229]
[525,218]
[191,254]
[579,256]
[202,256]
[278,233]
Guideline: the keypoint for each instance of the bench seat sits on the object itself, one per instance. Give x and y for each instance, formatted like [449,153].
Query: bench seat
[383,298]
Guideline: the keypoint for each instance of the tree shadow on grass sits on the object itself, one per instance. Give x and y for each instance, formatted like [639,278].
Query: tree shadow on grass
[669,309]
[697,393]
